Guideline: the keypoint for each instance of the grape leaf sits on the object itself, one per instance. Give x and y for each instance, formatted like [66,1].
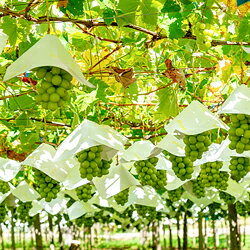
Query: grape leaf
[128,9]
[10,28]
[149,12]
[167,105]
[21,102]
[170,6]
[175,30]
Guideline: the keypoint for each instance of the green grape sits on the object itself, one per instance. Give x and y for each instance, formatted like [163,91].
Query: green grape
[122,197]
[239,133]
[47,187]
[149,175]
[22,210]
[182,166]
[211,176]
[239,167]
[198,189]
[196,145]
[4,187]
[3,213]
[241,208]
[84,192]
[91,163]
[52,90]
[146,212]
[229,199]
[175,195]
[204,35]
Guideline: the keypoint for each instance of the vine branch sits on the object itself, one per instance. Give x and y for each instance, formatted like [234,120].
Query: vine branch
[92,23]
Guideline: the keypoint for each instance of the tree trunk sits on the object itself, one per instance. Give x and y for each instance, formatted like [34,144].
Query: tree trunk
[24,243]
[13,243]
[1,236]
[164,236]
[51,232]
[38,232]
[201,240]
[170,236]
[155,238]
[234,230]
[205,234]
[214,233]
[185,232]
[178,232]
[60,237]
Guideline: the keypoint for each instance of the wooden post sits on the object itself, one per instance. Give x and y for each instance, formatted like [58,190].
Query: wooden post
[234,230]
[201,240]
[38,232]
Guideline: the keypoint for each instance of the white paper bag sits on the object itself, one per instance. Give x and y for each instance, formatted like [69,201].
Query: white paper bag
[73,179]
[9,169]
[194,119]
[80,208]
[25,193]
[118,179]
[89,134]
[172,144]
[56,205]
[140,150]
[145,195]
[43,159]
[37,207]
[3,41]
[48,51]
[238,102]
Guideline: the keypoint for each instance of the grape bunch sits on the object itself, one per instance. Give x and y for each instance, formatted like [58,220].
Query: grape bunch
[4,187]
[122,197]
[198,189]
[23,210]
[228,198]
[175,195]
[182,167]
[239,167]
[204,35]
[84,192]
[146,212]
[69,223]
[92,164]
[196,145]
[45,185]
[53,87]
[3,213]
[162,179]
[86,221]
[149,175]
[211,176]
[239,133]
[241,208]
